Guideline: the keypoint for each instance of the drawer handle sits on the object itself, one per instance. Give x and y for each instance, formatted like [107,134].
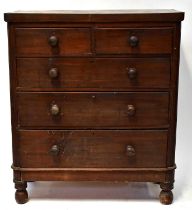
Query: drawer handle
[53,41]
[54,150]
[55,109]
[53,73]
[130,151]
[133,41]
[131,110]
[132,73]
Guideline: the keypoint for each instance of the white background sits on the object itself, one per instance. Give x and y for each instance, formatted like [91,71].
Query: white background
[106,196]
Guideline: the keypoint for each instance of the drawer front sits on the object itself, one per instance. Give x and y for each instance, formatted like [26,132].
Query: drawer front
[93,110]
[92,149]
[96,74]
[133,41]
[53,41]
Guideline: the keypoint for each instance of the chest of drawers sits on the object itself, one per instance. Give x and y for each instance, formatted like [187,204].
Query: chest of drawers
[94,96]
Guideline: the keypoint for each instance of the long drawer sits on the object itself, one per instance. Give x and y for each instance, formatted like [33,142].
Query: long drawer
[92,149]
[93,109]
[133,40]
[92,73]
[52,41]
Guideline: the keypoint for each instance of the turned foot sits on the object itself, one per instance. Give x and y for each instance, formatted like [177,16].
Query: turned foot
[21,195]
[166,195]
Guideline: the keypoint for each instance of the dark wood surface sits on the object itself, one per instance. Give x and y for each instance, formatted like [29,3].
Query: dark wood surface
[107,82]
[92,73]
[116,40]
[93,110]
[95,16]
[77,41]
[35,41]
[89,149]
[108,176]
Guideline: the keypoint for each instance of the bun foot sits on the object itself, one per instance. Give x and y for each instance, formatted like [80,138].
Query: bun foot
[166,197]
[21,196]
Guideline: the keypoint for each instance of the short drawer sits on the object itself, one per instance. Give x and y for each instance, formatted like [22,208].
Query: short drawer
[93,109]
[92,149]
[92,74]
[133,40]
[52,41]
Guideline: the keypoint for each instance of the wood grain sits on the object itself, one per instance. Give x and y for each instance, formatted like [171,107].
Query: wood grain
[105,16]
[116,40]
[87,149]
[93,110]
[92,73]
[35,41]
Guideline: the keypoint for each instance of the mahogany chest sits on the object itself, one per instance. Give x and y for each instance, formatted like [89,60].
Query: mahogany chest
[94,96]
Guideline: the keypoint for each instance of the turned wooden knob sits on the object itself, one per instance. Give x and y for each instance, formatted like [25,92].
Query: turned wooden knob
[132,73]
[131,110]
[54,150]
[55,109]
[53,41]
[53,73]
[133,41]
[130,150]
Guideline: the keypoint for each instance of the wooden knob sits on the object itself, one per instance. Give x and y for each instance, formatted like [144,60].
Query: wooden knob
[53,41]
[133,41]
[53,73]
[131,110]
[54,150]
[55,109]
[132,73]
[130,151]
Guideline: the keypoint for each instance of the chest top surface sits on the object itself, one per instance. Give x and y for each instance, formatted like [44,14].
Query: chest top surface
[95,16]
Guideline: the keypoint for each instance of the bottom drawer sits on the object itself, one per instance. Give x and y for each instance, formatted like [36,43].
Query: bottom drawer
[92,149]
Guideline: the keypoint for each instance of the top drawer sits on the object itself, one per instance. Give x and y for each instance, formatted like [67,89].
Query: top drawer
[52,41]
[133,40]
